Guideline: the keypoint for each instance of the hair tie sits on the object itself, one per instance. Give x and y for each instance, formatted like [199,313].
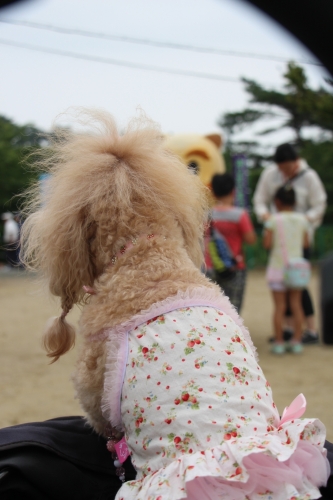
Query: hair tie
[89,290]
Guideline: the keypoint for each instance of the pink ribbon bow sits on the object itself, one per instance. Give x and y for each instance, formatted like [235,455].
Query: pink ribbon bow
[295,410]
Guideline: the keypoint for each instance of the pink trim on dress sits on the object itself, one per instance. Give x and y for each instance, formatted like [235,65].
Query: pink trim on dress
[118,341]
[117,353]
[199,296]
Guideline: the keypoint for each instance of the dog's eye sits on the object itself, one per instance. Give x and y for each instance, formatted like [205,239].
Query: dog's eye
[194,167]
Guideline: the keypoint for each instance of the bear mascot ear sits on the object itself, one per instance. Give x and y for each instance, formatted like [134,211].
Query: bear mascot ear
[216,139]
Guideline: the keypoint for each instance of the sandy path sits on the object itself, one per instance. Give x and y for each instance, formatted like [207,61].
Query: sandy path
[31,389]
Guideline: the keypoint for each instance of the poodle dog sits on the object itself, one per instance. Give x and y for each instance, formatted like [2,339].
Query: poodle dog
[164,357]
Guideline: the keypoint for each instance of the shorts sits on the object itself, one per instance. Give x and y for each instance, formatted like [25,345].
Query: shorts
[277,286]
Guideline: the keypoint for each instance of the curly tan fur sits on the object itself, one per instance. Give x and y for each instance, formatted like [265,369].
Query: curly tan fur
[106,188]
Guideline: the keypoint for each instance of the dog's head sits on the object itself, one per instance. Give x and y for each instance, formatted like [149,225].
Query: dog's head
[104,188]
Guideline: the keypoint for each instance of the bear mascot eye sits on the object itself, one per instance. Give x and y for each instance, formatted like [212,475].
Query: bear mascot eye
[194,167]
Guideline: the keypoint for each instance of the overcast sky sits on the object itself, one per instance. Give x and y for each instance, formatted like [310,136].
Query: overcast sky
[38,86]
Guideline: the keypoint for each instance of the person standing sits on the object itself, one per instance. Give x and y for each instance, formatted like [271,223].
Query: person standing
[285,235]
[10,238]
[290,169]
[235,226]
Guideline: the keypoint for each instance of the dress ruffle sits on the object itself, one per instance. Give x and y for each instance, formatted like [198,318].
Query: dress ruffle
[288,463]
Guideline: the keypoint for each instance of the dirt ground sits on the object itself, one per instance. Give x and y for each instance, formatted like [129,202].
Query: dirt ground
[33,390]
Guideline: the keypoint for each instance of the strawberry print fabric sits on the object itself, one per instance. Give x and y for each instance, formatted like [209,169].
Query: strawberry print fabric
[200,421]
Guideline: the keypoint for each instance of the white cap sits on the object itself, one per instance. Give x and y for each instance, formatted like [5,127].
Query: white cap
[7,216]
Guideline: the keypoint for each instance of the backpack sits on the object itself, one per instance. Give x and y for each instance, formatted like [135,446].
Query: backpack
[223,261]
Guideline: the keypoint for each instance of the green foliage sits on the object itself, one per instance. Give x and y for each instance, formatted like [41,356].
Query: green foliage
[16,143]
[256,255]
[238,120]
[299,107]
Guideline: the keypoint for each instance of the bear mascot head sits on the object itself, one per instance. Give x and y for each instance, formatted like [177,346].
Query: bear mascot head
[202,153]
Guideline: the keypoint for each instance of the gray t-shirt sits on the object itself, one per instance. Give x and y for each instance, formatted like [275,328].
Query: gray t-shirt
[310,194]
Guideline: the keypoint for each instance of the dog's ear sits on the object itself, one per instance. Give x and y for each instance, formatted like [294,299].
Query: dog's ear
[72,268]
[71,263]
[58,241]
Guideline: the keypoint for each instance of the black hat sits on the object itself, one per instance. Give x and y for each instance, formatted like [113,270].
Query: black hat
[285,152]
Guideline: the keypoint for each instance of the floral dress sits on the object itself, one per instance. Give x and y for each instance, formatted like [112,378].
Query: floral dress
[183,382]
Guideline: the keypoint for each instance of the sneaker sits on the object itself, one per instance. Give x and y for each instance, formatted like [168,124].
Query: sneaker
[309,337]
[287,335]
[296,347]
[278,348]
